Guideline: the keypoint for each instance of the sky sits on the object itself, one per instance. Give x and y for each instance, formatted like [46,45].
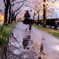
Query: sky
[52,13]
[1,5]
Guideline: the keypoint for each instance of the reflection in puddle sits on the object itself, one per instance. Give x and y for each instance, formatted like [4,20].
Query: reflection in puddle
[17,52]
[26,41]
[56,47]
[27,31]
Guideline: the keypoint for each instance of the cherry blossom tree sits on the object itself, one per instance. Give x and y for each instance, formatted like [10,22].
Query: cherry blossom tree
[9,5]
[37,6]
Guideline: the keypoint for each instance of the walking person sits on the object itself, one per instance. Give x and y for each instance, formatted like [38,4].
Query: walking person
[26,18]
[31,19]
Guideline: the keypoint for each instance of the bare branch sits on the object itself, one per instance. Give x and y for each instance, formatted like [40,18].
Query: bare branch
[12,5]
[21,1]
[13,0]
[17,13]
[4,2]
[19,8]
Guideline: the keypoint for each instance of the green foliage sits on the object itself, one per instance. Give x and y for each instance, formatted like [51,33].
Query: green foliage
[2,41]
[39,26]
[1,29]
[4,32]
[55,34]
[3,35]
[49,30]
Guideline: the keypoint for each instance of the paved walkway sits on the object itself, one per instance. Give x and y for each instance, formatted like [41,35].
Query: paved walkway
[33,40]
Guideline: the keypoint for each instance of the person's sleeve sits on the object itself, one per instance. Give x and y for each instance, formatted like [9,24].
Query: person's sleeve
[29,15]
[24,15]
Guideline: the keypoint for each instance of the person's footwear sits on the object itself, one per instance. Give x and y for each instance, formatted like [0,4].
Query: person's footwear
[29,29]
[26,28]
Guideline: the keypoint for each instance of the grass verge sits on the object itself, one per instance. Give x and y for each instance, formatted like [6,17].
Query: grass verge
[9,27]
[49,30]
[5,32]
[54,33]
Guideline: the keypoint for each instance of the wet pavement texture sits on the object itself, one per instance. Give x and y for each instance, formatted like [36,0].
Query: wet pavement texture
[34,44]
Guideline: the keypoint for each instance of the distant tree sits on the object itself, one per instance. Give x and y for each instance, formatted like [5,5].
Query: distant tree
[37,6]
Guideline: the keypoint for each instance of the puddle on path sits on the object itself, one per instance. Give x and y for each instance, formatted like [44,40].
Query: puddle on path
[26,41]
[28,49]
[56,47]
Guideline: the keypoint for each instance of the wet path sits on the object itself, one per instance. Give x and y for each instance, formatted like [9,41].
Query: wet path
[32,44]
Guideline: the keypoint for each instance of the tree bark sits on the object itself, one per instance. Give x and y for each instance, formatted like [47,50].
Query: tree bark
[44,16]
[6,2]
[5,15]
[38,18]
[9,14]
[12,16]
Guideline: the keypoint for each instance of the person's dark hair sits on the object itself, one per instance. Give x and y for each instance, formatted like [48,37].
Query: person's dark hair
[27,12]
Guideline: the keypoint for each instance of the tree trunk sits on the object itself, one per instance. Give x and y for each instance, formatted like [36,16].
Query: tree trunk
[44,16]
[12,17]
[6,12]
[15,18]
[6,15]
[9,14]
[38,18]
